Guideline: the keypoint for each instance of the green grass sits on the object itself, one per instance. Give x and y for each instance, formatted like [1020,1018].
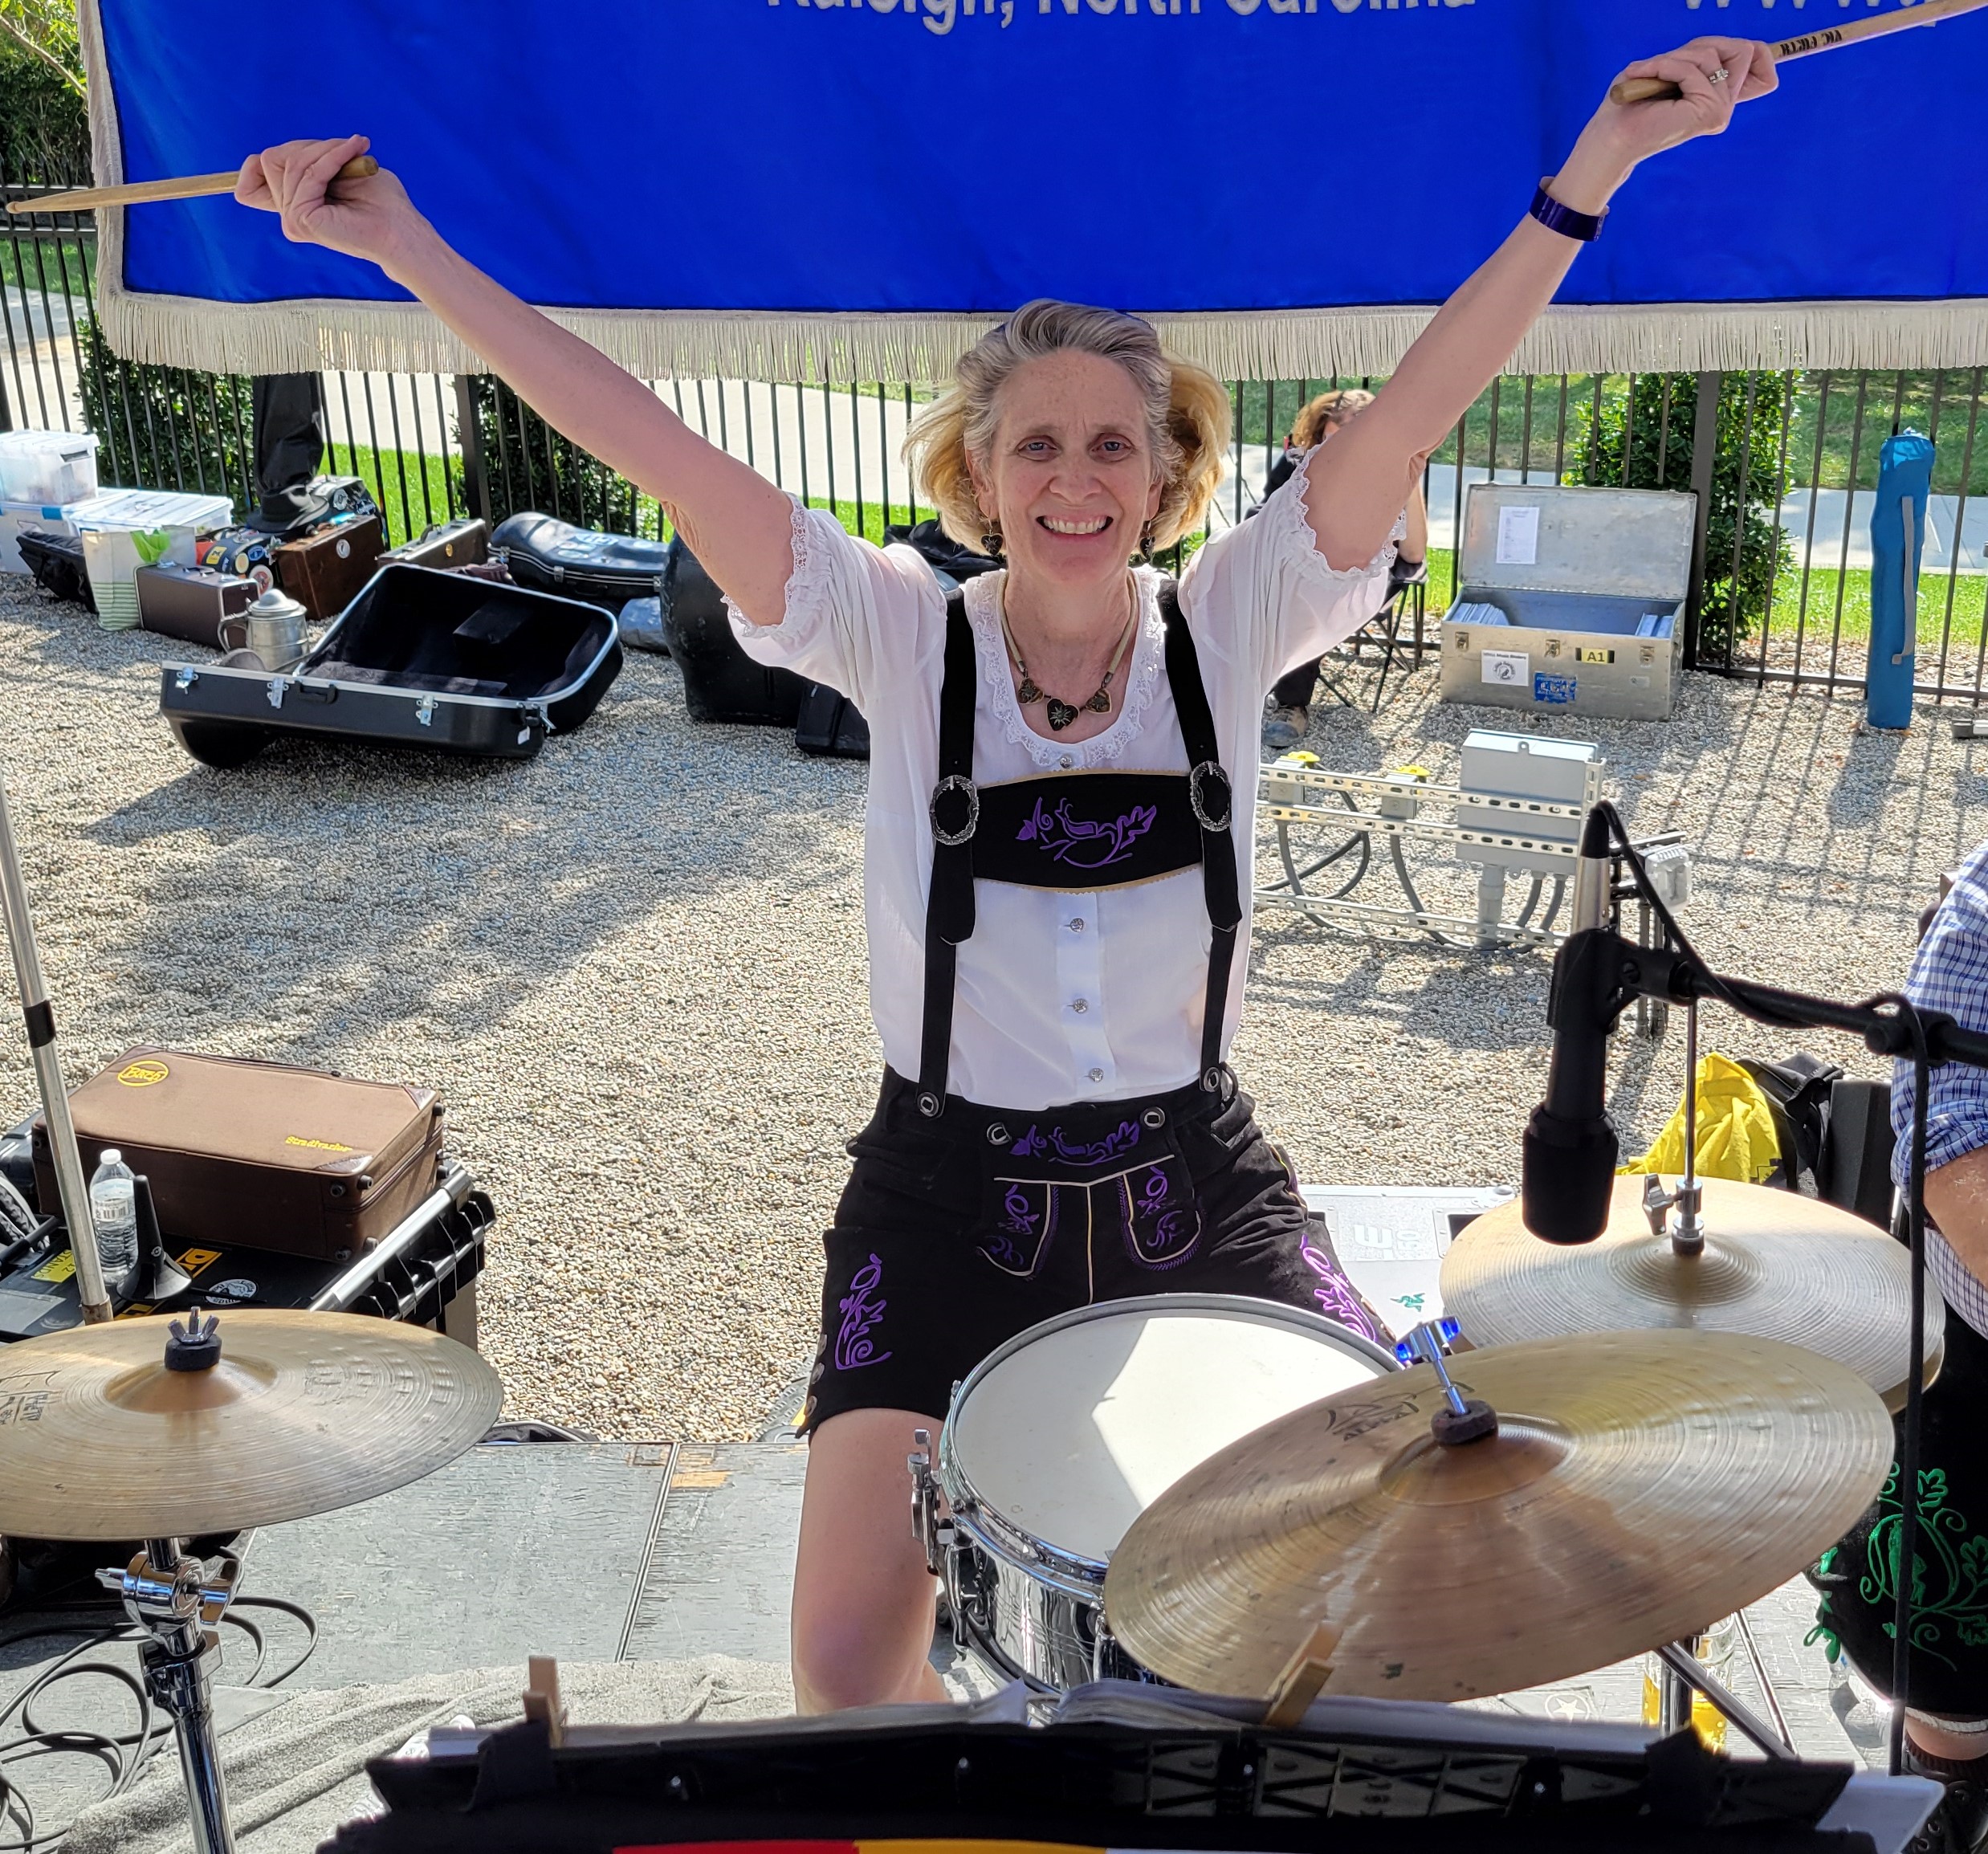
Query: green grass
[41,262]
[1969,594]
[381,472]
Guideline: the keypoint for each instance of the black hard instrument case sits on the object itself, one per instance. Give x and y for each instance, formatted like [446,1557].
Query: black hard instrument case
[420,658]
[720,682]
[583,563]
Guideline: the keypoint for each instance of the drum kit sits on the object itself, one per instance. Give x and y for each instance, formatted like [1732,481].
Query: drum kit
[1630,1440]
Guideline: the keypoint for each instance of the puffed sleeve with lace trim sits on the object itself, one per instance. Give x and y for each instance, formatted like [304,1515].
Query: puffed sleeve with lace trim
[869,621]
[1262,595]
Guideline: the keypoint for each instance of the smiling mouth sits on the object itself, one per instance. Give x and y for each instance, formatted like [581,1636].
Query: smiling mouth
[1096,525]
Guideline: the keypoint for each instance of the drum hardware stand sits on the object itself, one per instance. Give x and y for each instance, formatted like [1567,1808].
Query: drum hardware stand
[1460,1419]
[167,1596]
[1687,1232]
[40,1021]
[1684,1672]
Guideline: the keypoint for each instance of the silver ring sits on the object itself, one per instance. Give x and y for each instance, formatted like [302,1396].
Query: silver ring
[1717,76]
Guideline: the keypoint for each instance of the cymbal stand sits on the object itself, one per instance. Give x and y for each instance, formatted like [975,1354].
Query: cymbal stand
[1681,1667]
[40,1019]
[1687,1232]
[167,1595]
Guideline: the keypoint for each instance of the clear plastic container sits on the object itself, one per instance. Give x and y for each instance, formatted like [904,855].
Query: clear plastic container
[54,468]
[1714,1653]
[114,1210]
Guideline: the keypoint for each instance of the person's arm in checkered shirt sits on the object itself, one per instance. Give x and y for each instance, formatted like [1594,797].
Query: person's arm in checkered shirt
[1950,973]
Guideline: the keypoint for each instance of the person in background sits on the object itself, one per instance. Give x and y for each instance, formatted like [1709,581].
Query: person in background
[1946,1720]
[1331,413]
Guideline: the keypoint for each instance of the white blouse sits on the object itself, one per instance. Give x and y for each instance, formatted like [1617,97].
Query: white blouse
[1061,997]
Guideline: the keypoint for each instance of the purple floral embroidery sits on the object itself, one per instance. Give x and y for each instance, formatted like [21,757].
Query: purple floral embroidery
[1338,1299]
[1021,1219]
[853,1347]
[1035,1144]
[1081,843]
[1162,1231]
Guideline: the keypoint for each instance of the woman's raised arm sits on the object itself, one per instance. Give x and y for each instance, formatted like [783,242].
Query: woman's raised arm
[1361,480]
[738,524]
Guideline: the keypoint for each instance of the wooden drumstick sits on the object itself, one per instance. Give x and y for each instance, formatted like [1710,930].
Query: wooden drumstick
[1650,89]
[189,187]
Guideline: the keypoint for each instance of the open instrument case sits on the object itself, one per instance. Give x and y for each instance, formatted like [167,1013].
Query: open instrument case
[419,658]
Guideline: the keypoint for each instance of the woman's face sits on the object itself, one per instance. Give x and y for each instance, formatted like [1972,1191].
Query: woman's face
[1070,473]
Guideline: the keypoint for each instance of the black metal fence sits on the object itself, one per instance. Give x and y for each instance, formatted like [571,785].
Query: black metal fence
[1784,465]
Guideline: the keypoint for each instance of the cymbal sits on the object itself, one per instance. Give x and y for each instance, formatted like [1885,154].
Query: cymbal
[1774,1265]
[304,1412]
[1639,1486]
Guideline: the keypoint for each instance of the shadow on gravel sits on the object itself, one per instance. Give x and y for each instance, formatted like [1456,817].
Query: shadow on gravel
[324,888]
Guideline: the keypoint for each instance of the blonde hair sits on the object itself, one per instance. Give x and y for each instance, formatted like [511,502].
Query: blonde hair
[1186,411]
[1337,407]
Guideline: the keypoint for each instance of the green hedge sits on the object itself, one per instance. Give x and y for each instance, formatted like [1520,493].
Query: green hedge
[44,126]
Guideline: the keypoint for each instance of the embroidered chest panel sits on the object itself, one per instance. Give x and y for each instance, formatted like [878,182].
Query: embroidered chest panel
[1086,830]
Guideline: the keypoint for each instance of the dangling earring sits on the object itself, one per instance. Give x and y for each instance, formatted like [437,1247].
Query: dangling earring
[991,541]
[1146,544]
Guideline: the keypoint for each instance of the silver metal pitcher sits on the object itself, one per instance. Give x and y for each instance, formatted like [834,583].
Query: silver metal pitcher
[272,628]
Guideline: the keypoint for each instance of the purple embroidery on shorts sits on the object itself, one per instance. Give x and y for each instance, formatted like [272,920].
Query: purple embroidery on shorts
[853,1347]
[1021,1219]
[1081,843]
[1035,1144]
[1336,1296]
[1162,1231]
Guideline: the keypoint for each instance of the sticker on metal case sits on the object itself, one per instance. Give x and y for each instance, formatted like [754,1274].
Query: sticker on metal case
[1555,691]
[1507,668]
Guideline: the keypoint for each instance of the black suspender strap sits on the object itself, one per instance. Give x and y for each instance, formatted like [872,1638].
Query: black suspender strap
[955,815]
[1212,798]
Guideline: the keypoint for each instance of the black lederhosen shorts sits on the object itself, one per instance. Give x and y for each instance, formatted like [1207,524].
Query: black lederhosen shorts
[1948,1671]
[954,1235]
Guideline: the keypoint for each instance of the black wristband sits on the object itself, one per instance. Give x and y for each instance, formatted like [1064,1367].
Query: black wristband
[1565,220]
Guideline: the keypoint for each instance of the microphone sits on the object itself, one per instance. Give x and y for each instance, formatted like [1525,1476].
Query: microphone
[1571,1149]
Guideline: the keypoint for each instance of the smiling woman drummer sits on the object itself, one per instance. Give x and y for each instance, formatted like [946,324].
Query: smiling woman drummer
[1062,777]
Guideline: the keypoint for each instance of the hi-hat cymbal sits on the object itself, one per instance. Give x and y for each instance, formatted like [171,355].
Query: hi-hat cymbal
[1640,1485]
[304,1412]
[1774,1265]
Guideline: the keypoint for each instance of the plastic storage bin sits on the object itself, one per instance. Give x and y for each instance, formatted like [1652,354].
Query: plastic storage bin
[125,529]
[52,467]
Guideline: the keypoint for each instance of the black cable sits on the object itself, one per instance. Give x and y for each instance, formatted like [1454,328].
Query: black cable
[123,1754]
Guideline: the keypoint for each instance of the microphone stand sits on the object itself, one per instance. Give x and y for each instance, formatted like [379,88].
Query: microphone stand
[1620,972]
[40,1019]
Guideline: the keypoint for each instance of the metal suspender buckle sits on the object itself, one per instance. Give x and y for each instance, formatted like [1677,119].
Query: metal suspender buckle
[941,833]
[1209,781]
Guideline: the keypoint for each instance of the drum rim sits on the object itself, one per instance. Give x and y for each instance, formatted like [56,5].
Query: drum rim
[991,1529]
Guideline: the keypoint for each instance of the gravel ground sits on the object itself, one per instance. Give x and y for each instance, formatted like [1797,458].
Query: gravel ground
[634,969]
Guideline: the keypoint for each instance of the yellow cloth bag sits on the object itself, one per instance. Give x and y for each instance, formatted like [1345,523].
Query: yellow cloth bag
[1736,1137]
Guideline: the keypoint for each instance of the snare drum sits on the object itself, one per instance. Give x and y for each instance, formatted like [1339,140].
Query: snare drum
[1062,1437]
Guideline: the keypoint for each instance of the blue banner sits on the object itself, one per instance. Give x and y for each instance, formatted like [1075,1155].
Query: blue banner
[938,157]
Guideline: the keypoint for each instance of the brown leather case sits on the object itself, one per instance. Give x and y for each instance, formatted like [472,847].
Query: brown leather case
[464,542]
[258,1154]
[324,571]
[189,603]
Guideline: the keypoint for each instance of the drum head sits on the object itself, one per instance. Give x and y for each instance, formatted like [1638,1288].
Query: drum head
[1072,1429]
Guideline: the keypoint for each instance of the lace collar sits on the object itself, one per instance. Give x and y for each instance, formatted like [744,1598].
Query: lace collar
[998,702]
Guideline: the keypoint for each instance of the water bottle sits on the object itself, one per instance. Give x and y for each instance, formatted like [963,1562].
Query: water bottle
[114,1210]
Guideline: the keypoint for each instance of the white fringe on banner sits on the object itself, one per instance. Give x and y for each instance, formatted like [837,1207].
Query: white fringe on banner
[341,335]
[303,336]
